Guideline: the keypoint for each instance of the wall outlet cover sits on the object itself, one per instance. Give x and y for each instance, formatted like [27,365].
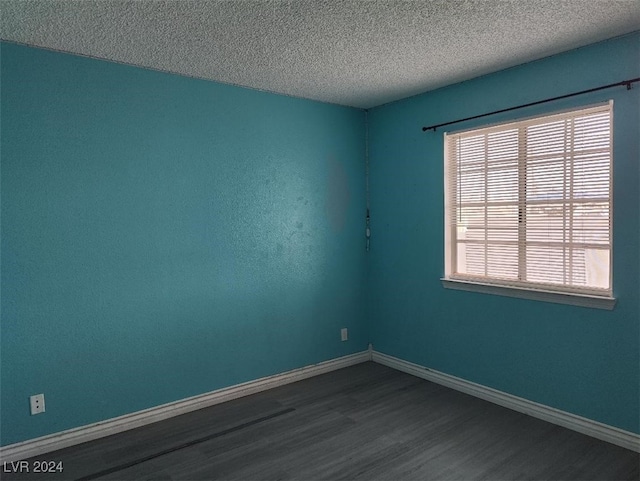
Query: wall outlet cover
[37,404]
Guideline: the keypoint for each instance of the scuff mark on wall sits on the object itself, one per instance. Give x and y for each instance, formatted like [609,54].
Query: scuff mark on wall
[338,194]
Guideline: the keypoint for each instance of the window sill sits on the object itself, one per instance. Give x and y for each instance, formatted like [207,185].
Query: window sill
[594,302]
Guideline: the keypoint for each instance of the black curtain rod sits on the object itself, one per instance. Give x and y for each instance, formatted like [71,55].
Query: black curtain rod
[624,82]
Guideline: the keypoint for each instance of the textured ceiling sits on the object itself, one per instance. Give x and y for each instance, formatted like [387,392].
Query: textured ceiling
[352,52]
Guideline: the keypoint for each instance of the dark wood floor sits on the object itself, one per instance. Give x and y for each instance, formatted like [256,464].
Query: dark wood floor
[363,422]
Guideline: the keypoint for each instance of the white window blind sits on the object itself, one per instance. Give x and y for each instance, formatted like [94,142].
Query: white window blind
[528,203]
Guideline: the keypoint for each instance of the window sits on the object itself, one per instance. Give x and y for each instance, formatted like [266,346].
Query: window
[528,206]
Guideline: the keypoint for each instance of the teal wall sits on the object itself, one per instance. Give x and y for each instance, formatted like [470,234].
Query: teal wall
[164,236]
[576,359]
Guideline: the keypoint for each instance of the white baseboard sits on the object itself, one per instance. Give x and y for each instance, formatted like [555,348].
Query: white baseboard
[52,442]
[580,424]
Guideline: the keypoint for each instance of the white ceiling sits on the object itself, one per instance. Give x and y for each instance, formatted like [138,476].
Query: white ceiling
[351,52]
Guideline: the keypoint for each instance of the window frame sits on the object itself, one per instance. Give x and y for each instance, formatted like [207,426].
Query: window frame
[597,298]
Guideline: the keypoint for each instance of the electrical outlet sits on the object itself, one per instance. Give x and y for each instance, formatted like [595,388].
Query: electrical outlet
[344,335]
[37,404]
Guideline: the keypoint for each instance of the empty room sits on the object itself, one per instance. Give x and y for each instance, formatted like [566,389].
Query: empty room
[304,240]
